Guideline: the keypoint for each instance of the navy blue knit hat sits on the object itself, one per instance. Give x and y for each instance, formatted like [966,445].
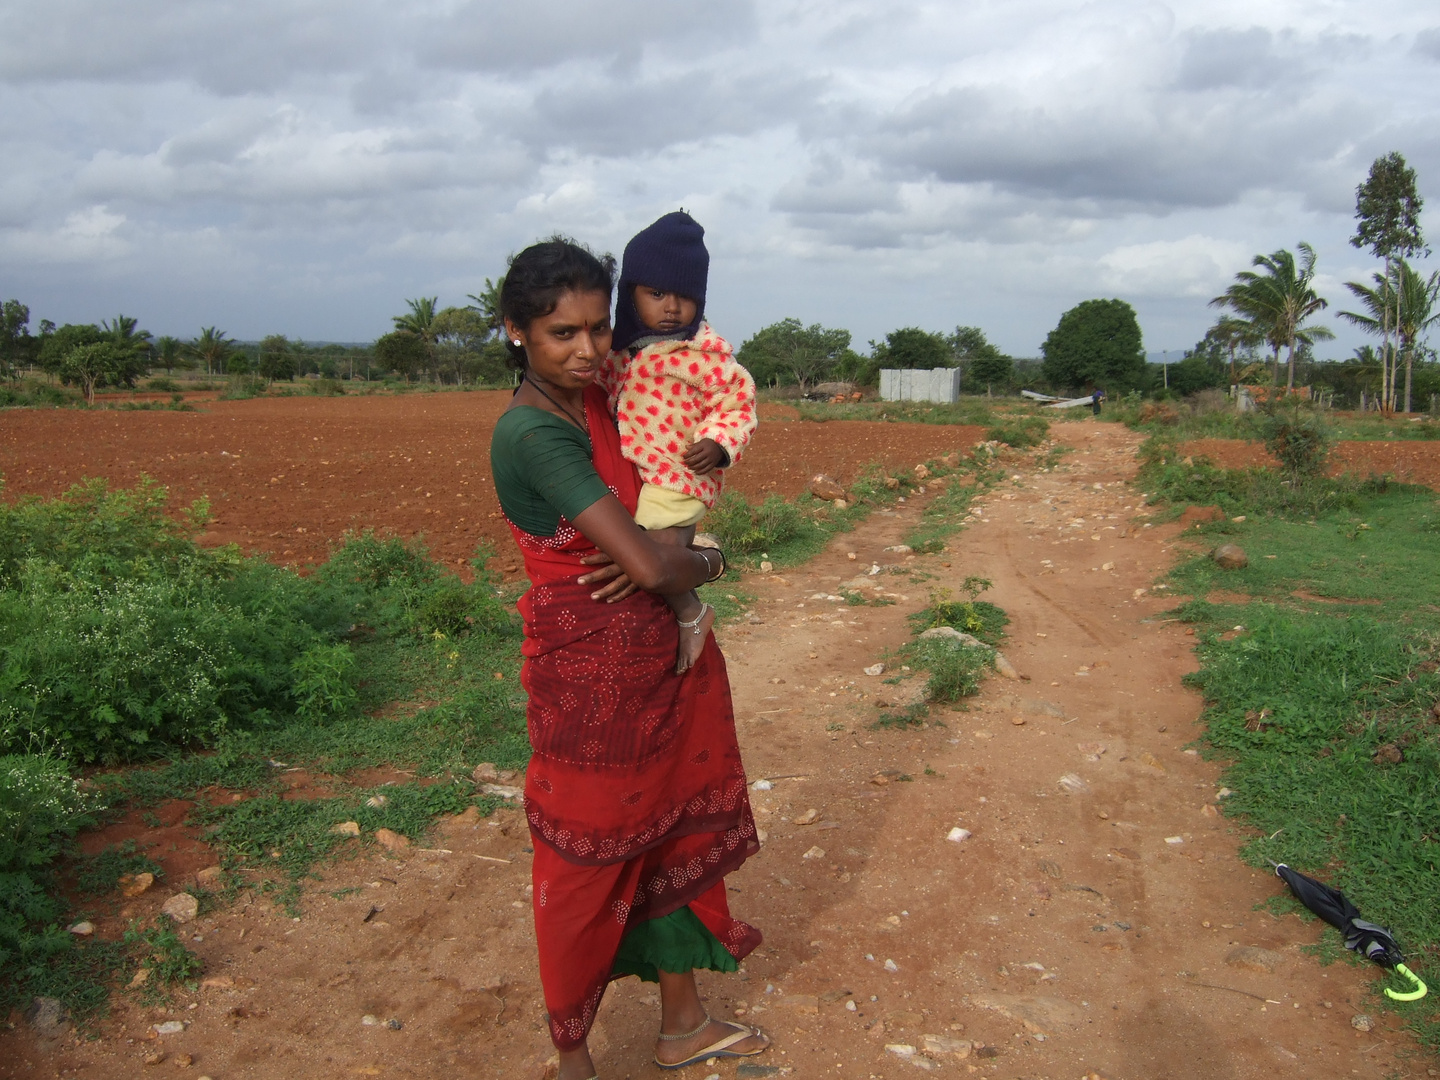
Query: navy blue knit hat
[670,255]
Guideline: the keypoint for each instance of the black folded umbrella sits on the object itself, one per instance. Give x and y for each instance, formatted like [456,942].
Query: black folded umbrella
[1374,942]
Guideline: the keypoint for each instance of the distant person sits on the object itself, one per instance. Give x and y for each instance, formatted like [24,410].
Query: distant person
[1095,399]
[635,792]
[685,407]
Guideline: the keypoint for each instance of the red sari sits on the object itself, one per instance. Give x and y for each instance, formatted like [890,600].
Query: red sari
[635,792]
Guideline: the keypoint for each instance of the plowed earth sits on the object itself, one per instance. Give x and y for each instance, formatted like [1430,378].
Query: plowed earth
[288,476]
[1409,461]
[1087,927]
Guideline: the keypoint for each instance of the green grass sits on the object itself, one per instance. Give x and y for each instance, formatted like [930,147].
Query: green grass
[1338,656]
[1182,421]
[977,411]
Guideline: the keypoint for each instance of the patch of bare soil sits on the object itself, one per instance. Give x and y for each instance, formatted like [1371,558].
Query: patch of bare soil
[1096,922]
[1409,461]
[287,477]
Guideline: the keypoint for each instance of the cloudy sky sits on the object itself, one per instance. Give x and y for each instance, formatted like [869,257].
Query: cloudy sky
[303,166]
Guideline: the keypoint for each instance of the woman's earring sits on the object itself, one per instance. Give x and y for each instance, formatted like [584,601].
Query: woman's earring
[517,341]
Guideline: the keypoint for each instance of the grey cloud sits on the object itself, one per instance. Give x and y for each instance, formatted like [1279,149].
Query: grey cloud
[501,35]
[1220,58]
[1427,43]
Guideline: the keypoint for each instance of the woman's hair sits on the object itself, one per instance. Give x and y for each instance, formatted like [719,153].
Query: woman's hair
[541,274]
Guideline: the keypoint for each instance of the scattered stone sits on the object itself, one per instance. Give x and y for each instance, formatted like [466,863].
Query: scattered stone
[807,1004]
[209,877]
[183,1061]
[922,472]
[132,885]
[82,929]
[1107,566]
[47,1016]
[1091,750]
[169,1027]
[391,841]
[1230,557]
[1072,784]
[809,817]
[987,1051]
[958,835]
[1361,1022]
[140,978]
[949,633]
[1004,667]
[1388,754]
[1210,810]
[182,907]
[1150,759]
[1174,840]
[1037,707]
[814,853]
[485,773]
[394,1025]
[1051,869]
[939,1044]
[766,566]
[1018,721]
[502,791]
[156,1058]
[1040,1015]
[467,818]
[875,669]
[825,488]
[1254,958]
[899,549]
[376,802]
[750,1069]
[762,785]
[891,483]
[346,828]
[891,966]
[218,982]
[370,1020]
[904,1050]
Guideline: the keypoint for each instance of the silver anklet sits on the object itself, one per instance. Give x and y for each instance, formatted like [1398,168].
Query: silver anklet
[689,1034]
[694,627]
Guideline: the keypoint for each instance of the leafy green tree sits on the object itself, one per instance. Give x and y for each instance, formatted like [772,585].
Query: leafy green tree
[913,348]
[460,335]
[789,351]
[276,359]
[1279,299]
[17,347]
[987,365]
[99,364]
[58,344]
[1387,212]
[1095,343]
[401,351]
[212,348]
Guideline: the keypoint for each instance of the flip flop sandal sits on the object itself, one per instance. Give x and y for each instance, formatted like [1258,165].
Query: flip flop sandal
[720,1048]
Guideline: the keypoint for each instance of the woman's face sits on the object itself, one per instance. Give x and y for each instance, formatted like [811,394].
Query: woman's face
[663,311]
[564,348]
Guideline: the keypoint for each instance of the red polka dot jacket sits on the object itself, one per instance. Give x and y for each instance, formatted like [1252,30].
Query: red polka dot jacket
[672,394]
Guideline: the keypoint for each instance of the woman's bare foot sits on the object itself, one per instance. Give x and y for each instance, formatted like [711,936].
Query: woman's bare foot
[692,640]
[673,1051]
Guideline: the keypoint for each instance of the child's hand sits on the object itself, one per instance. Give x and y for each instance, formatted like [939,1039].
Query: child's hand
[704,457]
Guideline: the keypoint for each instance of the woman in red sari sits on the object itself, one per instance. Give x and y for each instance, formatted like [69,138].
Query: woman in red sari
[635,791]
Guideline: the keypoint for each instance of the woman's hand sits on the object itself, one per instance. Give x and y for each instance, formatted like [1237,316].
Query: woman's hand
[618,589]
[704,457]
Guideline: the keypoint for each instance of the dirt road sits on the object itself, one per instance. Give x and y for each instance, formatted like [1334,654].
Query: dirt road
[1088,926]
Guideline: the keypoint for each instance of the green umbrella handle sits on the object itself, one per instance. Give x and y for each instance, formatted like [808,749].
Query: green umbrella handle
[1411,995]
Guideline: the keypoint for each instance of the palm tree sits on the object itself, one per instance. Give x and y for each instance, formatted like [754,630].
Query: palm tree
[168,353]
[487,303]
[1231,334]
[420,321]
[1277,301]
[1405,304]
[213,347]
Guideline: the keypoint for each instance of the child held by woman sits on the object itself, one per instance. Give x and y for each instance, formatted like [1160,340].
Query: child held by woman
[684,406]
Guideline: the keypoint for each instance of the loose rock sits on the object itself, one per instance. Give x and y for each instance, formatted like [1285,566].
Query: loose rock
[891,966]
[209,877]
[825,488]
[814,853]
[169,1027]
[1004,667]
[501,791]
[875,669]
[1361,1022]
[156,1058]
[1073,784]
[939,1044]
[182,907]
[809,817]
[391,841]
[47,1016]
[1231,557]
[958,835]
[183,1061]
[346,828]
[1039,1015]
[82,929]
[485,773]
[921,472]
[132,885]
[1388,754]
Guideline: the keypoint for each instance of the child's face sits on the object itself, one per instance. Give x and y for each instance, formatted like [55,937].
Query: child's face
[663,311]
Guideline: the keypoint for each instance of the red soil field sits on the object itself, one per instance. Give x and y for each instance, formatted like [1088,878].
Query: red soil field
[1409,461]
[287,477]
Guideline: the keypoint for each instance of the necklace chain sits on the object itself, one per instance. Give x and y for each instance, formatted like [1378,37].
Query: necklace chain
[583,423]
